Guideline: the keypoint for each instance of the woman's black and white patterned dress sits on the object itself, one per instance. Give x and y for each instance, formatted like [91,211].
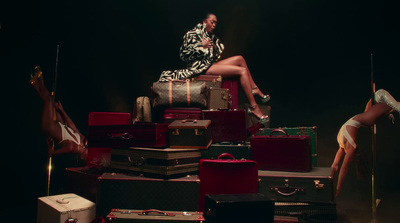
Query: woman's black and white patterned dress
[197,58]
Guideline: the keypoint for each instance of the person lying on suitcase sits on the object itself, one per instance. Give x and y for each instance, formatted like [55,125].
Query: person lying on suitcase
[201,50]
[56,124]
[385,104]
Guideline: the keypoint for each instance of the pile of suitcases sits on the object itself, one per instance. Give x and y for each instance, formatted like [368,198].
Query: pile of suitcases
[201,164]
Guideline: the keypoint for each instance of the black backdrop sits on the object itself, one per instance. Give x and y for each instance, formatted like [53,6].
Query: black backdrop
[313,57]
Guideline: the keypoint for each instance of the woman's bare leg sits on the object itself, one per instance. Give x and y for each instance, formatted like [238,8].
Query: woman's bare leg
[49,126]
[241,62]
[226,70]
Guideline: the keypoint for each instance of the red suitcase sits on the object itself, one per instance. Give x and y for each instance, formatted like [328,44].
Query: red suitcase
[227,176]
[233,85]
[99,157]
[282,152]
[172,114]
[148,135]
[227,125]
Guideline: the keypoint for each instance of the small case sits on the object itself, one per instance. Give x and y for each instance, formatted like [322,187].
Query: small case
[190,133]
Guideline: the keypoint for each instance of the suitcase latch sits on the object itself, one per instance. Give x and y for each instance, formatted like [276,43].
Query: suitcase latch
[197,132]
[318,185]
[175,132]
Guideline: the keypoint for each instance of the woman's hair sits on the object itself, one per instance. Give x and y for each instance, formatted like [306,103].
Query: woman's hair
[208,15]
[362,164]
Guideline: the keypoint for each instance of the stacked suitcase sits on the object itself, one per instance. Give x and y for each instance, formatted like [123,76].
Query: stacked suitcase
[172,166]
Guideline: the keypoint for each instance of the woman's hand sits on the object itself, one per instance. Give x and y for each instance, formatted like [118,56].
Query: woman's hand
[207,43]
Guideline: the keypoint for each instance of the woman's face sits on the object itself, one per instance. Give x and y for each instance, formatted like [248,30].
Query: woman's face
[211,23]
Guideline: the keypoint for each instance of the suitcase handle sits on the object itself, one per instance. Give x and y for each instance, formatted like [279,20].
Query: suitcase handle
[226,155]
[124,135]
[279,130]
[189,120]
[284,191]
[146,212]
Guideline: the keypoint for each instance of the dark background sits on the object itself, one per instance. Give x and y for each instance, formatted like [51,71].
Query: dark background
[313,57]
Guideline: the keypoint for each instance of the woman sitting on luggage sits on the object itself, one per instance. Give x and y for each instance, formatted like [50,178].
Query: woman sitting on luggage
[56,124]
[201,49]
[347,136]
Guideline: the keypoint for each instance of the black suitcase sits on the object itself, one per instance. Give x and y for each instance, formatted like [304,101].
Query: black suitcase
[314,186]
[123,191]
[227,208]
[307,212]
[164,163]
[238,150]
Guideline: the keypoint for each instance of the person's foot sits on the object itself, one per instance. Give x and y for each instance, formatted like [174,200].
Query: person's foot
[255,110]
[257,91]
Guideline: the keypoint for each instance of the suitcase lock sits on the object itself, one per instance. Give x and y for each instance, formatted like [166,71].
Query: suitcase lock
[318,185]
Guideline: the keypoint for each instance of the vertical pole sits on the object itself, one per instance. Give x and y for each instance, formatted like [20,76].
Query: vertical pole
[51,147]
[373,131]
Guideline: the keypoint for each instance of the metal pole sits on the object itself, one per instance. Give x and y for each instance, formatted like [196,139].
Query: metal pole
[373,130]
[53,95]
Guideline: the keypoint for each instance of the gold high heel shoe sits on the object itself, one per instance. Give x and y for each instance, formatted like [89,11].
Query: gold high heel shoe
[262,120]
[264,99]
[36,75]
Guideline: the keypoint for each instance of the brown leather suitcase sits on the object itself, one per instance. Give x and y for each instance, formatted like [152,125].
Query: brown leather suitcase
[153,215]
[190,133]
[151,135]
[227,125]
[217,98]
[282,152]
[227,175]
[160,163]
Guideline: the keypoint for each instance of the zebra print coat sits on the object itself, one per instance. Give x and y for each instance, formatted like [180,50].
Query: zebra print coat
[197,58]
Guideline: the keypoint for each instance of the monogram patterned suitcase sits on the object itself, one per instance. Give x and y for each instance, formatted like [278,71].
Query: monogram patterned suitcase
[189,133]
[217,98]
[153,215]
[210,80]
[127,191]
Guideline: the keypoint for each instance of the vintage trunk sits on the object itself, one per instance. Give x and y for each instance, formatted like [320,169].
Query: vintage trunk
[227,175]
[217,98]
[282,152]
[227,208]
[314,186]
[59,208]
[307,212]
[227,125]
[189,133]
[152,135]
[165,163]
[308,131]
[126,191]
[238,150]
[172,114]
[153,216]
